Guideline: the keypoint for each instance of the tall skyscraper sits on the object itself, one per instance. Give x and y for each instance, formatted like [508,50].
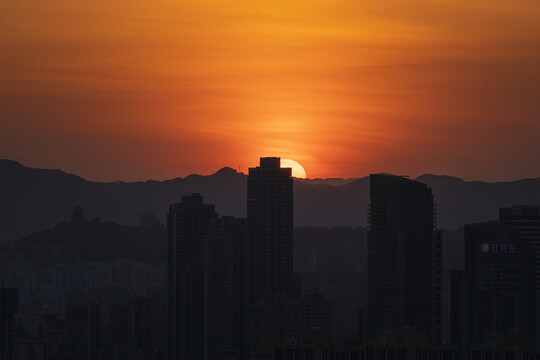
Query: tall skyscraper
[526,219]
[499,275]
[401,256]
[226,289]
[270,223]
[188,224]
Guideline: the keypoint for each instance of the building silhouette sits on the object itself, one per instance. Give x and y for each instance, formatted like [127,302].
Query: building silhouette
[226,289]
[188,224]
[160,319]
[120,343]
[142,323]
[526,219]
[8,308]
[120,323]
[316,314]
[83,330]
[457,307]
[270,223]
[272,314]
[333,262]
[401,257]
[500,293]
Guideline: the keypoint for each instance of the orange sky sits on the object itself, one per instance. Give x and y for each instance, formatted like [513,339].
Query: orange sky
[156,89]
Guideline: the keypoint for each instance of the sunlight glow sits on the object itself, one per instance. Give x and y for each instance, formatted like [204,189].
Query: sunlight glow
[297,169]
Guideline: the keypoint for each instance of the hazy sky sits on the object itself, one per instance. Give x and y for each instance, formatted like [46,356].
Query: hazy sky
[157,89]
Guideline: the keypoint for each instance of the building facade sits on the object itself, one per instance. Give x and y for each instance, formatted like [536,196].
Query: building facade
[500,293]
[401,257]
[526,219]
[188,224]
[8,308]
[226,289]
[270,223]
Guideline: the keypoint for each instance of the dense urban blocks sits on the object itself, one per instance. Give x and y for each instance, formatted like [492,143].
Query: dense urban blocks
[257,288]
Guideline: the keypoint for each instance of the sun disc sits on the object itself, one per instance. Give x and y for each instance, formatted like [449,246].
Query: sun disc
[297,169]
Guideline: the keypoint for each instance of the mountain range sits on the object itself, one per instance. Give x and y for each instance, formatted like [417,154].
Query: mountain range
[95,241]
[37,199]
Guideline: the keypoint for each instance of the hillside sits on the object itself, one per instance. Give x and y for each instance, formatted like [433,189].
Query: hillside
[37,199]
[96,241]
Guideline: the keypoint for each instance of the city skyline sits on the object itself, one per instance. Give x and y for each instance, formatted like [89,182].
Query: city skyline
[257,287]
[269,180]
[131,90]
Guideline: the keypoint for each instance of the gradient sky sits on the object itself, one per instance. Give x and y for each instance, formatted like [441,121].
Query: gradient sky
[157,89]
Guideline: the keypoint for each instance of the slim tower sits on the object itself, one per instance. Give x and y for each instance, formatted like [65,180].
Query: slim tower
[400,256]
[270,224]
[188,224]
[225,289]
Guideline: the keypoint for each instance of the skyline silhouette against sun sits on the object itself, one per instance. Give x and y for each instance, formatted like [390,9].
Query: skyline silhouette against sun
[298,170]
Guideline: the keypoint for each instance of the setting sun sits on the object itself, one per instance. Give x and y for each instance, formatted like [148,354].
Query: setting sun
[297,169]
[347,87]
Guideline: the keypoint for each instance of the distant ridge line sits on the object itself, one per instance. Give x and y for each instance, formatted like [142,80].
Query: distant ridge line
[36,199]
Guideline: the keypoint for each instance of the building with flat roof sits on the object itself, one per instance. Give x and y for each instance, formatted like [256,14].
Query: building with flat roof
[188,224]
[270,223]
[226,300]
[402,257]
[526,219]
[500,292]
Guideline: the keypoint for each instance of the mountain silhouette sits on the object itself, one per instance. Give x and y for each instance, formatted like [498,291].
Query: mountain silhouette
[95,241]
[37,199]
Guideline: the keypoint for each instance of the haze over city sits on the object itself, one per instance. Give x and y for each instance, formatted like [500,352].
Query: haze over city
[269,180]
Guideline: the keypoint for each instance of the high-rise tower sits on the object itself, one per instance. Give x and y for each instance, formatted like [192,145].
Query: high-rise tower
[270,224]
[226,289]
[401,254]
[526,219]
[500,275]
[188,224]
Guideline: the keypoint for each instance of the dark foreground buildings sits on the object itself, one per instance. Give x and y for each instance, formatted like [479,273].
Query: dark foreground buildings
[225,271]
[526,219]
[493,300]
[270,222]
[226,289]
[402,289]
[273,313]
[83,331]
[8,307]
[234,295]
[188,224]
[500,276]
[318,312]
[208,282]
